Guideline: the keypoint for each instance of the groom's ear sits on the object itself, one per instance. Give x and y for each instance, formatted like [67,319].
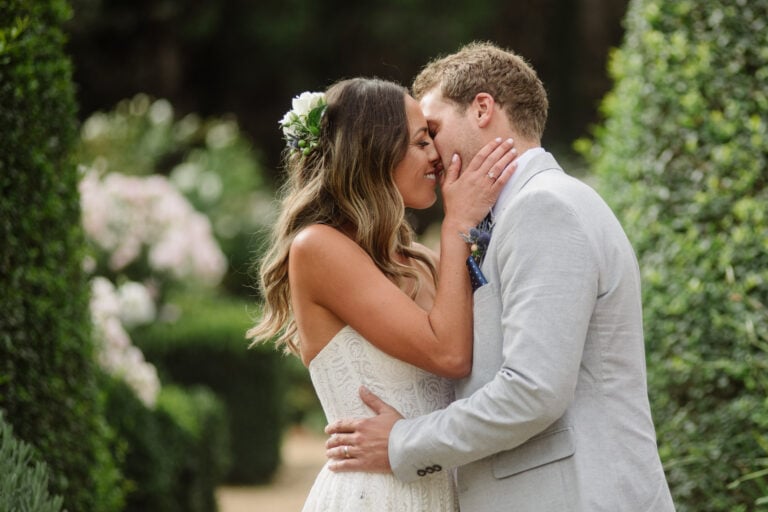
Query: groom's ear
[483,108]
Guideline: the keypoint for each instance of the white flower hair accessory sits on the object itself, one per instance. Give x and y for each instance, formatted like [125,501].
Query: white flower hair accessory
[301,124]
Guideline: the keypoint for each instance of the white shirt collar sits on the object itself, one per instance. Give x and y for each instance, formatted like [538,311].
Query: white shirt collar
[522,161]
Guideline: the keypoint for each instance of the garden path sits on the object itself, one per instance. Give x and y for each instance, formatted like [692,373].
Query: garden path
[303,454]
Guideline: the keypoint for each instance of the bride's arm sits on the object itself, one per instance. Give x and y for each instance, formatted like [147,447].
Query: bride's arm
[333,272]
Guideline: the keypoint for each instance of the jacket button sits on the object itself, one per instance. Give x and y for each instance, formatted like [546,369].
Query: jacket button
[421,472]
[437,467]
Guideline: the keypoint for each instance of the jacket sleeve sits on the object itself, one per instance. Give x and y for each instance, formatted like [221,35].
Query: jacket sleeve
[548,287]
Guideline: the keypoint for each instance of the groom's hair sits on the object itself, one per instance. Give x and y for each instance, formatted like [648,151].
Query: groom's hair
[483,67]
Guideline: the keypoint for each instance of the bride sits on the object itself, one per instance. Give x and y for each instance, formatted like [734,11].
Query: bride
[348,290]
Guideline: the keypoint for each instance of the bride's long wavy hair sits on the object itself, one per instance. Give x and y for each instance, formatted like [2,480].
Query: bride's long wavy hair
[345,182]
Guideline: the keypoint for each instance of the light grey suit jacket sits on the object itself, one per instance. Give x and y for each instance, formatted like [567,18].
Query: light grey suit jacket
[555,414]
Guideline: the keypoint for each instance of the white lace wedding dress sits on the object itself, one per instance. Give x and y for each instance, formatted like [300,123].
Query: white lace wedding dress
[346,363]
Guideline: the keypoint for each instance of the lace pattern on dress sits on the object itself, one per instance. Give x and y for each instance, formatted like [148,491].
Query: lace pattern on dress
[337,372]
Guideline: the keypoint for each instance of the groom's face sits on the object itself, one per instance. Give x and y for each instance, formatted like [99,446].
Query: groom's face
[452,130]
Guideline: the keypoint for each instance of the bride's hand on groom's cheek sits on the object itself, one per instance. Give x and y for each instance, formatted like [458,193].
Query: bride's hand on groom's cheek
[470,190]
[362,444]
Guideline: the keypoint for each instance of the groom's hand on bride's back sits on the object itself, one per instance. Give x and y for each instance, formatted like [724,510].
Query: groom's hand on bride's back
[362,444]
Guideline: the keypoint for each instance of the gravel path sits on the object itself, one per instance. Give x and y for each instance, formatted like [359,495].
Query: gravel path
[303,456]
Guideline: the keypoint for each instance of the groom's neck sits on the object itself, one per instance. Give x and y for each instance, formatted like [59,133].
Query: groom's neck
[522,144]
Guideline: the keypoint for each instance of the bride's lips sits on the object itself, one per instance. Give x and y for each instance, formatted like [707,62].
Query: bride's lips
[435,173]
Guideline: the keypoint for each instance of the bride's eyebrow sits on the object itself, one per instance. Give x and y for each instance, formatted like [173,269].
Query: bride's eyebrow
[420,130]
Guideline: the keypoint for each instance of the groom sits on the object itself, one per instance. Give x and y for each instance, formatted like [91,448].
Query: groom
[555,414]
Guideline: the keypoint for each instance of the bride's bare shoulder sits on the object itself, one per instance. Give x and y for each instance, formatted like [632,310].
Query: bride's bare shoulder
[315,233]
[319,240]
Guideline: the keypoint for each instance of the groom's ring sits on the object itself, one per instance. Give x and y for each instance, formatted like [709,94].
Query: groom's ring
[346,452]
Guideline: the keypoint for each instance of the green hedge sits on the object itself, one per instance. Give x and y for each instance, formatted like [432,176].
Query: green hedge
[24,485]
[206,346]
[683,157]
[47,372]
[176,454]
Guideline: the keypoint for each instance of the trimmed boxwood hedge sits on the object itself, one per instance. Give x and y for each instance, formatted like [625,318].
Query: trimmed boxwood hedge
[683,158]
[206,346]
[48,384]
[175,454]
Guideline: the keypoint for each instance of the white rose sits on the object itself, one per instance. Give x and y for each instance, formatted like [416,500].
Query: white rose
[288,118]
[288,123]
[306,101]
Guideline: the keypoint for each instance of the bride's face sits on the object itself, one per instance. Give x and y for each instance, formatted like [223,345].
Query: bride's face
[416,175]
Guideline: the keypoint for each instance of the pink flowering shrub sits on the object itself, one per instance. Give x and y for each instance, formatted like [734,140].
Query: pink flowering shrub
[209,160]
[128,218]
[115,352]
[140,224]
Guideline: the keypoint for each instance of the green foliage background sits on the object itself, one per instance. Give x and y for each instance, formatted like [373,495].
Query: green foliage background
[206,346]
[48,378]
[175,454]
[683,158]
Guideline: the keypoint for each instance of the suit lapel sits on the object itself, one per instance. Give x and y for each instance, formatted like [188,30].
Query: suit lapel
[539,163]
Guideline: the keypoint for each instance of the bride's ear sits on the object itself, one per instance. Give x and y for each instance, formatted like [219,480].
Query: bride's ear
[483,107]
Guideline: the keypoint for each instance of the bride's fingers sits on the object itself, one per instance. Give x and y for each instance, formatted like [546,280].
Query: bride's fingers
[451,174]
[490,154]
[482,155]
[502,169]
[497,161]
[504,175]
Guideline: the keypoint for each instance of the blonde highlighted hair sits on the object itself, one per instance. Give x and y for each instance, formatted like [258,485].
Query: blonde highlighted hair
[345,182]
